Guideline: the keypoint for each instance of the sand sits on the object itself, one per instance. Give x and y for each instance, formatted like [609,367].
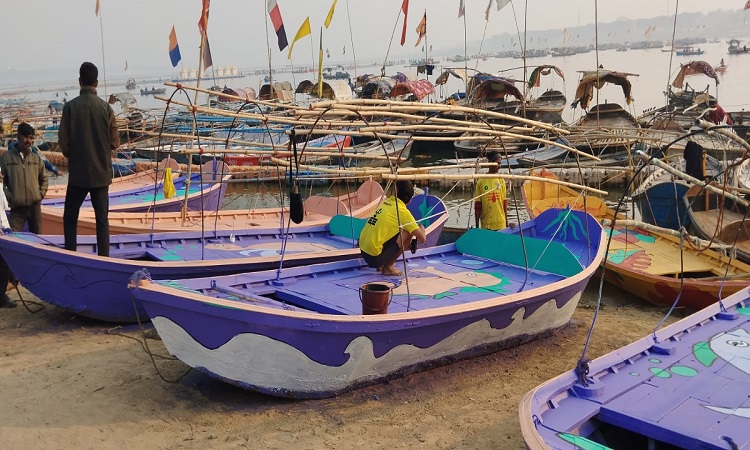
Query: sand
[72,383]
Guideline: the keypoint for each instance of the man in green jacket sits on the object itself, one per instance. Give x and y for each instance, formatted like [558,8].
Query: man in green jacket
[88,135]
[25,185]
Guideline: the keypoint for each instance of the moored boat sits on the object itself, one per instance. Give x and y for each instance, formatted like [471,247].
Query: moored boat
[305,334]
[682,386]
[94,286]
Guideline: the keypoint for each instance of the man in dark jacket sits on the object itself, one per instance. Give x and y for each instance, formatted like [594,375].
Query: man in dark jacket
[24,185]
[88,135]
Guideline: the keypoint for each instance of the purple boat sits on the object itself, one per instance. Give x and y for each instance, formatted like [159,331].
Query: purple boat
[93,286]
[302,333]
[685,386]
[205,191]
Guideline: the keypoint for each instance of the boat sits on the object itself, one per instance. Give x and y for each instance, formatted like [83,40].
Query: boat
[648,264]
[689,50]
[736,47]
[130,84]
[682,386]
[318,211]
[202,190]
[718,218]
[606,128]
[305,333]
[138,180]
[153,91]
[94,286]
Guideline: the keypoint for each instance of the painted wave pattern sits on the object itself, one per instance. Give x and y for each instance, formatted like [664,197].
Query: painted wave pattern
[244,359]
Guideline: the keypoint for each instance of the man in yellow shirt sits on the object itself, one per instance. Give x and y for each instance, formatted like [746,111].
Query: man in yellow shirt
[491,205]
[390,230]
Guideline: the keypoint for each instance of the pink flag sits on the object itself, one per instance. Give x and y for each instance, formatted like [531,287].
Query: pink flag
[405,9]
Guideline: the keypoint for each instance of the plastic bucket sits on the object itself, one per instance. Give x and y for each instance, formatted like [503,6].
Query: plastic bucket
[375,298]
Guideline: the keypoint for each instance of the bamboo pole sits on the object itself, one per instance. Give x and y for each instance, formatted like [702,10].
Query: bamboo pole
[712,128]
[698,242]
[686,177]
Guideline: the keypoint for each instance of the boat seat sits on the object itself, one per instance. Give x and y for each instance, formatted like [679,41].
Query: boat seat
[346,226]
[326,206]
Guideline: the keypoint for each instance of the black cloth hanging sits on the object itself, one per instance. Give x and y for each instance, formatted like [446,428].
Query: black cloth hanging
[694,160]
[429,68]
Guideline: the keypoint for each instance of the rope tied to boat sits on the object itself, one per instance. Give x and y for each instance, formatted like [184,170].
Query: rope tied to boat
[140,274]
[582,371]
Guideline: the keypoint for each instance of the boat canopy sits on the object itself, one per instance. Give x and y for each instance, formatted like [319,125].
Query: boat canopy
[377,88]
[491,88]
[694,68]
[247,93]
[282,90]
[332,89]
[546,69]
[443,77]
[597,79]
[418,88]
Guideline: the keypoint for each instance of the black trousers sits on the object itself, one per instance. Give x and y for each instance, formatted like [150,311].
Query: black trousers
[74,197]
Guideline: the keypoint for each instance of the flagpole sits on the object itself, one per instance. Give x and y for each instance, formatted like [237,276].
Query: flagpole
[320,65]
[268,47]
[104,65]
[466,61]
[200,68]
[351,39]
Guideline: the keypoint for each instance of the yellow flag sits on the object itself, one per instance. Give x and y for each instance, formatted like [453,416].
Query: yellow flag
[169,190]
[303,31]
[329,17]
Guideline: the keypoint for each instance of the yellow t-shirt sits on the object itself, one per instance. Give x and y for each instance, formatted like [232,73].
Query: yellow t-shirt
[493,214]
[384,224]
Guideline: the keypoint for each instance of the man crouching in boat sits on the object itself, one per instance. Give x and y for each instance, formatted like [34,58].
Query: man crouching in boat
[390,230]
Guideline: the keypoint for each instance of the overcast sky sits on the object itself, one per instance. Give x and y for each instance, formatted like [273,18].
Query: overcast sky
[57,34]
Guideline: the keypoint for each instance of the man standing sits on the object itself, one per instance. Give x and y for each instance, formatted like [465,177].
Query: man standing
[88,135]
[24,186]
[491,205]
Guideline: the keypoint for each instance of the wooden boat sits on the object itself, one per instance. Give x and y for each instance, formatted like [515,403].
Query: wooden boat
[735,48]
[201,191]
[689,51]
[147,178]
[684,386]
[717,218]
[646,263]
[153,91]
[94,286]
[318,211]
[302,333]
[397,151]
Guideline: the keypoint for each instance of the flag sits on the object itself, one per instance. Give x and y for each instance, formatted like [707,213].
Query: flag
[501,4]
[203,21]
[344,52]
[462,9]
[126,65]
[207,61]
[328,54]
[320,66]
[747,4]
[303,31]
[174,48]
[487,11]
[422,28]
[329,17]
[405,10]
[169,190]
[96,8]
[278,24]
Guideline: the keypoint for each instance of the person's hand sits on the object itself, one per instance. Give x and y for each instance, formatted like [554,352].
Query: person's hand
[413,246]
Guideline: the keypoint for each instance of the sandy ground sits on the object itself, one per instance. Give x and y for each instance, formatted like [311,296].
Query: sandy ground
[67,382]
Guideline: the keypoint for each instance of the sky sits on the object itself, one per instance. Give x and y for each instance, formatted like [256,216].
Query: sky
[56,36]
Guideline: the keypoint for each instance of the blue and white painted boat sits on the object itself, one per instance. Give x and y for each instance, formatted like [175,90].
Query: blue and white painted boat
[93,286]
[302,333]
[684,386]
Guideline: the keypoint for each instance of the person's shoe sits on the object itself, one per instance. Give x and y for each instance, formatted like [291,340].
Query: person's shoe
[6,302]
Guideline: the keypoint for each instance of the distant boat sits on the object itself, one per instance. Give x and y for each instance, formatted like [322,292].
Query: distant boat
[735,48]
[130,84]
[689,51]
[153,91]
[667,49]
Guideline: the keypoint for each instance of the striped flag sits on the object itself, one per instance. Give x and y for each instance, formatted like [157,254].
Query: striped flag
[329,17]
[303,31]
[174,48]
[405,10]
[203,21]
[278,24]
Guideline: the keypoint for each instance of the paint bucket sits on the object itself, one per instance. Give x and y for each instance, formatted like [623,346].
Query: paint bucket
[375,298]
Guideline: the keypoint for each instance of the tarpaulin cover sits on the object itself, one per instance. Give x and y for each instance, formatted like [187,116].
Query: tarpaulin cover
[537,73]
[694,68]
[418,88]
[332,89]
[597,79]
[493,88]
